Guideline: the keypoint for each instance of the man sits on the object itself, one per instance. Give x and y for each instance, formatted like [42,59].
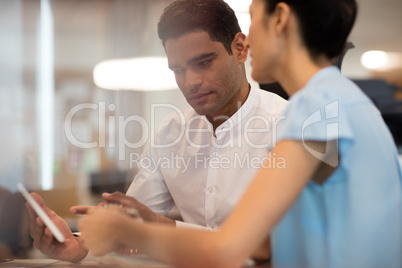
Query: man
[215,148]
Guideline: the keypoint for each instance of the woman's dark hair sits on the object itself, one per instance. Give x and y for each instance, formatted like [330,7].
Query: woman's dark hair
[324,24]
[212,16]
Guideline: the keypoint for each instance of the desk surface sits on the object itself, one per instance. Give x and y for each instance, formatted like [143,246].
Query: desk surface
[106,262]
[110,261]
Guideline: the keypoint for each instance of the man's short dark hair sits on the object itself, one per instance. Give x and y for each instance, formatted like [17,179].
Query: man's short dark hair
[212,16]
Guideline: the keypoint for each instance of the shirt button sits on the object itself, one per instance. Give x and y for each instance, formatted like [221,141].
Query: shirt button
[211,225]
[211,189]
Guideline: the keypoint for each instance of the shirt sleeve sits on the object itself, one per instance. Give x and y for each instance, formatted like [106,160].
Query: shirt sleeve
[181,224]
[315,117]
[148,186]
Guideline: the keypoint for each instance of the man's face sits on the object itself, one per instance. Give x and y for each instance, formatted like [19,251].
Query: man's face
[207,75]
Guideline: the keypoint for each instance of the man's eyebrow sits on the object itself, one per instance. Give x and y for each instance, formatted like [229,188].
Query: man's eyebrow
[195,59]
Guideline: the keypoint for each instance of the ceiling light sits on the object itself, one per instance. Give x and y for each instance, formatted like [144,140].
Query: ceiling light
[374,59]
[140,74]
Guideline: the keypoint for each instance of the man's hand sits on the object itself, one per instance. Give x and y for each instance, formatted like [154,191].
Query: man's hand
[129,202]
[72,249]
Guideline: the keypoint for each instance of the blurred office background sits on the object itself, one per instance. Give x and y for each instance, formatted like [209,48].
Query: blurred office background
[70,138]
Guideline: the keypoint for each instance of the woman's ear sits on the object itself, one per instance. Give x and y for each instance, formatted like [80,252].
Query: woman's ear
[281,17]
[240,47]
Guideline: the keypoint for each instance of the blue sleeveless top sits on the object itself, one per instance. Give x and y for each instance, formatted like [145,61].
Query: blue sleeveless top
[354,218]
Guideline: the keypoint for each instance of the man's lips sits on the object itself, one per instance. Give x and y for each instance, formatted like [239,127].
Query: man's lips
[200,96]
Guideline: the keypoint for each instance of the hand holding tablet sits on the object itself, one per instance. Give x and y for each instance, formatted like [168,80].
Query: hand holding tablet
[41,213]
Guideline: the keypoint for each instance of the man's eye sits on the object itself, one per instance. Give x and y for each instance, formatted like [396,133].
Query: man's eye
[204,62]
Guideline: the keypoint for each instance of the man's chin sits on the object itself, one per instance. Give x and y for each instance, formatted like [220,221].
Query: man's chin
[203,111]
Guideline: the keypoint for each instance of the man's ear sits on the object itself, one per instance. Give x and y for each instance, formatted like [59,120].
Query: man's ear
[239,47]
[281,17]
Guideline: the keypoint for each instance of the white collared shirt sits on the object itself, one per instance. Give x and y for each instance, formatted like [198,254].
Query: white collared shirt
[204,174]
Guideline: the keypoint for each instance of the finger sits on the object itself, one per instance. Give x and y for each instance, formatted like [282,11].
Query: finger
[47,238]
[103,204]
[40,223]
[36,227]
[40,201]
[80,209]
[119,198]
[42,204]
[91,211]
[31,214]
[44,242]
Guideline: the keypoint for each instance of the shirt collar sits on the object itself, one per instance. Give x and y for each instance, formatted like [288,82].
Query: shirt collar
[240,114]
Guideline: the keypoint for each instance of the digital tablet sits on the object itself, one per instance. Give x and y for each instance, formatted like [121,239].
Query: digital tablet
[41,213]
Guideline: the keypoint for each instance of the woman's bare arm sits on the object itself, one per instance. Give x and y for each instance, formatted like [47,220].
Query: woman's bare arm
[270,195]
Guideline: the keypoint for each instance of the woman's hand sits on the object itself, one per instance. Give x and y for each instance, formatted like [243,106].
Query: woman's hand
[102,229]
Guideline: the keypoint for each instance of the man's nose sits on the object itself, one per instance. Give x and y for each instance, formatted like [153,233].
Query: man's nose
[193,80]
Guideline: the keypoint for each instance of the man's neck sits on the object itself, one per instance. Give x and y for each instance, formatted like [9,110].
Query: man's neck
[218,119]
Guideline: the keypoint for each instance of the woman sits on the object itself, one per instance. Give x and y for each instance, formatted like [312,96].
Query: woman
[336,203]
